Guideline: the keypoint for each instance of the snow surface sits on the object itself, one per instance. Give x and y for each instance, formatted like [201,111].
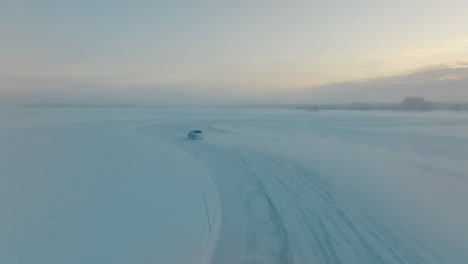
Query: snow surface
[282,186]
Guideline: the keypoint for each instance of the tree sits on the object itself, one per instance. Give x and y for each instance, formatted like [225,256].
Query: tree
[415,104]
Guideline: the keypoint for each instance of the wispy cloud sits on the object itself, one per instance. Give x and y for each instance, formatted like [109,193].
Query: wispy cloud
[451,47]
[426,53]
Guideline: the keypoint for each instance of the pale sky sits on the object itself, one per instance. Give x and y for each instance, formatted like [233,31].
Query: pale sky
[221,47]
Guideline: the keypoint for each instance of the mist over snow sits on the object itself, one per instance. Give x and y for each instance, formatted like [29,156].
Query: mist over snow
[42,91]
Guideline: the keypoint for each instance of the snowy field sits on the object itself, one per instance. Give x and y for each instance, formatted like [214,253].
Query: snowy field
[281,186]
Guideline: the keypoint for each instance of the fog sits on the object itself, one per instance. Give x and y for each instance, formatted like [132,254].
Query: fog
[332,132]
[446,83]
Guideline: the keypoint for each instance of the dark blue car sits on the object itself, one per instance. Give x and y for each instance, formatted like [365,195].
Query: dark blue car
[195,134]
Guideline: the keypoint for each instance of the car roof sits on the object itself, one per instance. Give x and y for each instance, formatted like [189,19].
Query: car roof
[197,131]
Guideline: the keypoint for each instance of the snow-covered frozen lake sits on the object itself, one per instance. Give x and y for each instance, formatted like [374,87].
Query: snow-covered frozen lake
[280,186]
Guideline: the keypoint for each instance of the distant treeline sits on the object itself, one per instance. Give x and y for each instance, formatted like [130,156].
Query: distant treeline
[66,105]
[407,104]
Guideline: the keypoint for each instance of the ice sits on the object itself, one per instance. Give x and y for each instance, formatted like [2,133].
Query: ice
[282,186]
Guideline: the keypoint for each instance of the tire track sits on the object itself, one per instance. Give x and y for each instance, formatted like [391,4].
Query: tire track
[275,211]
[334,222]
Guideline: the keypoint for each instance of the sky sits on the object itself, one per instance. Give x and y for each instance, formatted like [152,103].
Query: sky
[132,50]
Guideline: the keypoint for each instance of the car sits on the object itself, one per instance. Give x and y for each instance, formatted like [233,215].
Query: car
[195,134]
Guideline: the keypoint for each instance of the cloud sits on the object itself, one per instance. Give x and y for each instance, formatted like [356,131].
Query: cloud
[443,82]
